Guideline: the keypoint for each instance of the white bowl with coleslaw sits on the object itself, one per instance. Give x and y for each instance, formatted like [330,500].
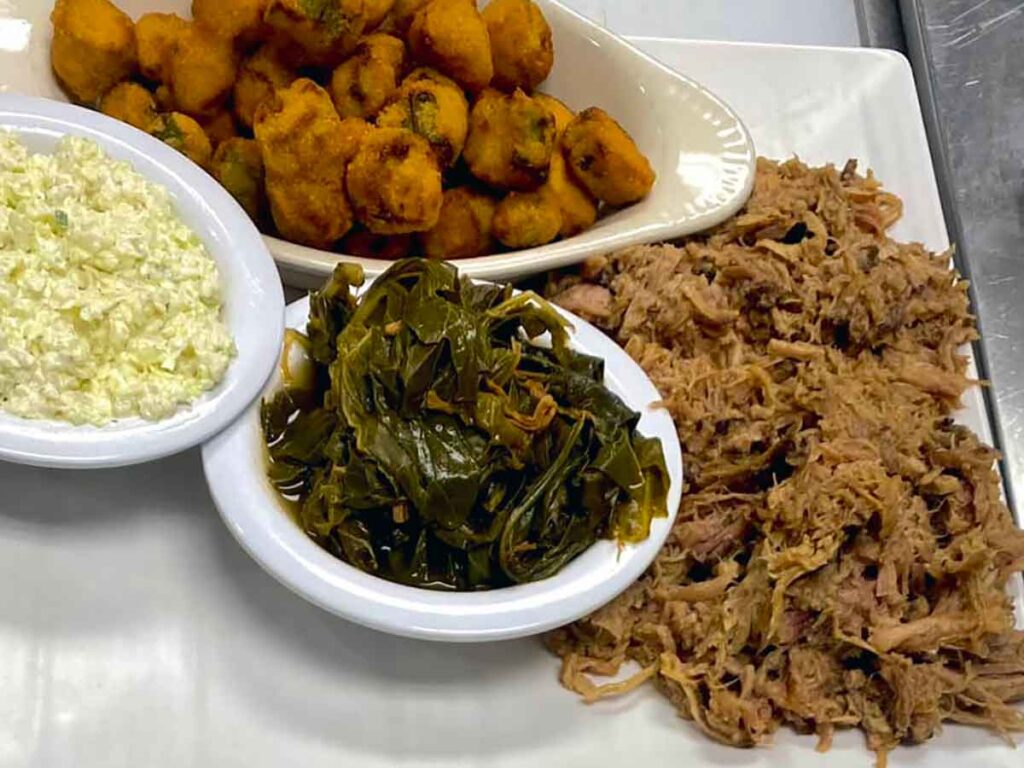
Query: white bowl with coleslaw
[214,306]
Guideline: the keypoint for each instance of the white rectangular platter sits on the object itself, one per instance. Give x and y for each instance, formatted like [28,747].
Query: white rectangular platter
[135,632]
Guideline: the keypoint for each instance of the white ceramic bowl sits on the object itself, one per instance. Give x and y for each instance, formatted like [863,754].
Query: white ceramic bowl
[253,298]
[700,149]
[235,466]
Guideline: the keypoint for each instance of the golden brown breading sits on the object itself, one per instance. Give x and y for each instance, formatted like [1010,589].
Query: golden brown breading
[324,32]
[93,47]
[353,131]
[375,12]
[605,159]
[220,126]
[563,115]
[185,135]
[164,99]
[258,76]
[521,46]
[240,20]
[131,103]
[238,166]
[579,209]
[511,139]
[463,230]
[157,36]
[369,78]
[527,219]
[394,182]
[432,105]
[451,37]
[400,16]
[302,144]
[202,70]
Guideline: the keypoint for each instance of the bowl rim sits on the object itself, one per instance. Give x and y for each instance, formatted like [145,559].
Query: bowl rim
[306,262]
[248,278]
[234,465]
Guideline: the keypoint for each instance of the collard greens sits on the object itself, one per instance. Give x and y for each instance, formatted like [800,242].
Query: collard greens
[434,444]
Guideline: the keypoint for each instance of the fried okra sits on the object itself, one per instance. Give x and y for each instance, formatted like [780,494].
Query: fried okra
[527,219]
[202,70]
[511,139]
[400,16]
[521,46]
[376,11]
[240,20]
[93,47]
[157,35]
[605,159]
[185,135]
[302,143]
[220,126]
[463,230]
[324,32]
[353,131]
[368,79]
[131,103]
[394,182]
[433,106]
[258,76]
[579,209]
[366,245]
[238,166]
[451,37]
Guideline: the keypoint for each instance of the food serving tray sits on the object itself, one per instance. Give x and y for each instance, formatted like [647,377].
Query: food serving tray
[135,632]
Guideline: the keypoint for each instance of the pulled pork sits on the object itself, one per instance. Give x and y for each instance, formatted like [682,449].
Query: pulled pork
[842,553]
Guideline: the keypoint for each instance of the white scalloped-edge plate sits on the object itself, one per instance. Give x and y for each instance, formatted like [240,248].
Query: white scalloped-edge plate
[700,149]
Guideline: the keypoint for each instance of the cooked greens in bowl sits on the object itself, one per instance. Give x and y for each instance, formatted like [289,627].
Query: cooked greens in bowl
[424,434]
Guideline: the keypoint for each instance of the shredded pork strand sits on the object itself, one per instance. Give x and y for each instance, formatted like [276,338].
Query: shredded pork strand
[842,553]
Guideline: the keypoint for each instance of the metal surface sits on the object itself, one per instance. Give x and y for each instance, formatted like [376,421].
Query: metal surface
[880,24]
[968,56]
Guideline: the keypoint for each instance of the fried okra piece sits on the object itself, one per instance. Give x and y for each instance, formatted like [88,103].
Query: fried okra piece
[366,245]
[93,47]
[353,131]
[562,114]
[605,159]
[451,37]
[239,20]
[157,35]
[131,103]
[394,183]
[302,143]
[324,32]
[463,230]
[375,12]
[220,126]
[185,135]
[164,99]
[527,219]
[521,46]
[579,209]
[258,76]
[511,140]
[433,106]
[238,166]
[368,79]
[400,17]
[202,70]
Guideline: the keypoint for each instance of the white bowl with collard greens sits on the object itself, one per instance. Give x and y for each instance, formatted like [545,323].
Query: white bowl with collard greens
[449,460]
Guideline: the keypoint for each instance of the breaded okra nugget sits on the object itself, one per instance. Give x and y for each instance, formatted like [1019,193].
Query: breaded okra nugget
[258,76]
[451,37]
[527,219]
[432,105]
[202,70]
[239,20]
[324,32]
[302,143]
[511,139]
[185,135]
[368,79]
[131,103]
[394,182]
[579,209]
[521,46]
[157,35]
[463,230]
[238,166]
[93,47]
[605,159]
